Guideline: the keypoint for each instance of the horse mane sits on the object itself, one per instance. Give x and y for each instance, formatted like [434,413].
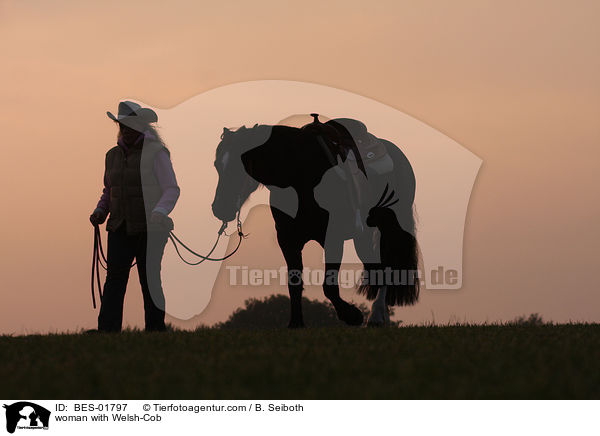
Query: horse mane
[242,138]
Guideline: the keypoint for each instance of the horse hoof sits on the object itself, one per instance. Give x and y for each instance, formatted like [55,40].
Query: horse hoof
[351,315]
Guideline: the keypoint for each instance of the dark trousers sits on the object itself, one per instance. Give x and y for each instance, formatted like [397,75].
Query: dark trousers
[147,249]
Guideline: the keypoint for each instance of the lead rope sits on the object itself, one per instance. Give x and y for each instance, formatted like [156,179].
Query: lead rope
[98,254]
[96,267]
[241,236]
[97,258]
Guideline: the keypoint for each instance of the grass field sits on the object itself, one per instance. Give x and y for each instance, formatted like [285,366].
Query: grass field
[453,362]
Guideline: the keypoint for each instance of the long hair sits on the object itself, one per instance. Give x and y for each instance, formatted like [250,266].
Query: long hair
[149,129]
[154,131]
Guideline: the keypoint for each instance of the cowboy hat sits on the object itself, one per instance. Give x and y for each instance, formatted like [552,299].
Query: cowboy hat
[133,115]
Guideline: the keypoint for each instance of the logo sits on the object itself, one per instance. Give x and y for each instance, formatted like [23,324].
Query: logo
[26,415]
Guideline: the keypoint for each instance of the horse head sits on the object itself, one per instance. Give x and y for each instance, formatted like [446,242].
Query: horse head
[235,185]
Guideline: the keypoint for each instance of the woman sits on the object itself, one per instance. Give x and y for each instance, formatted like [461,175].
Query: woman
[140,190]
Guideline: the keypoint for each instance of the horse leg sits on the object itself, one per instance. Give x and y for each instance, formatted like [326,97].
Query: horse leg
[346,312]
[379,315]
[292,252]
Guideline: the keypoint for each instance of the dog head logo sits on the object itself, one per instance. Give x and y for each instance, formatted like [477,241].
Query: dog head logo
[26,415]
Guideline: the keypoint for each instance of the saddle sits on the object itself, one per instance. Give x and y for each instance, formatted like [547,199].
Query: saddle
[349,137]
[374,156]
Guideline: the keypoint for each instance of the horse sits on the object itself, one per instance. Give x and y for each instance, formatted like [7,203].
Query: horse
[320,190]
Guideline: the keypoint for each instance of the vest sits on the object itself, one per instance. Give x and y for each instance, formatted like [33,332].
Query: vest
[134,188]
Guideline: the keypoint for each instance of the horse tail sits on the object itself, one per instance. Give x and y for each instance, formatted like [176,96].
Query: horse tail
[405,287]
[403,259]
[367,287]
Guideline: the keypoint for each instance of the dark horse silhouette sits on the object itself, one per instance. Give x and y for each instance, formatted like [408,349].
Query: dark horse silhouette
[321,188]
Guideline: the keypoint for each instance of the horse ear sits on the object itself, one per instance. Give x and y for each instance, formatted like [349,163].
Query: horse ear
[255,126]
[226,130]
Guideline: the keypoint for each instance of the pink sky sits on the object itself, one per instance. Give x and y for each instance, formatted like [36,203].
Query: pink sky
[515,83]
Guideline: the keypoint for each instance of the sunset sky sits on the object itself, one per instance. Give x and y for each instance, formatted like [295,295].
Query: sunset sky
[515,83]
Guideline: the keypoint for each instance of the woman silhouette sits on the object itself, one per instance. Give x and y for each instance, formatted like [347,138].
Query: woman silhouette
[140,190]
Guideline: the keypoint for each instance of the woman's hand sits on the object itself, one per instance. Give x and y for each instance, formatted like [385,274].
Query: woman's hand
[162,220]
[97,217]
